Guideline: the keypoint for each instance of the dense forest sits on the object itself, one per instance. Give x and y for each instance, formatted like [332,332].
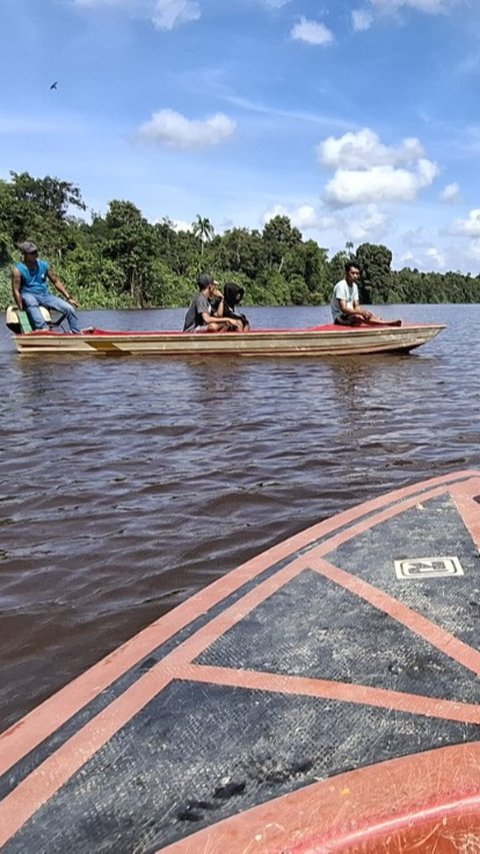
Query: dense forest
[120,260]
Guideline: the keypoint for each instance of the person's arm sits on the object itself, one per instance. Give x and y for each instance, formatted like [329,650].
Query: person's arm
[61,287]
[221,321]
[16,282]
[363,312]
[356,311]
[219,309]
[209,319]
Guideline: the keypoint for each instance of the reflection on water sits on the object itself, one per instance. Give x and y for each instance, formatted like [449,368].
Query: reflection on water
[128,484]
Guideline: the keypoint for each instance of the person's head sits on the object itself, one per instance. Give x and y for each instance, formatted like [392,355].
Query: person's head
[206,282]
[233,294]
[352,272]
[28,250]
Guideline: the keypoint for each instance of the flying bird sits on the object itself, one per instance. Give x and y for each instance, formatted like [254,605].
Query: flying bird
[54,85]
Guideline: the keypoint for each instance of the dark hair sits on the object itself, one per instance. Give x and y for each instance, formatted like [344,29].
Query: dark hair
[352,264]
[204,280]
[233,294]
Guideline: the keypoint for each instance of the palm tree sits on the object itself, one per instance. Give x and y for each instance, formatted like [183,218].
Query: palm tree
[203,228]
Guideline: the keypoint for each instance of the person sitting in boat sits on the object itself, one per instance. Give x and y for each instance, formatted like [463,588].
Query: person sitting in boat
[232,297]
[200,314]
[345,305]
[30,290]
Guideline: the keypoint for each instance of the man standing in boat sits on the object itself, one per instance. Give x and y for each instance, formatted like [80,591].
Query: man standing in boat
[30,289]
[200,313]
[345,305]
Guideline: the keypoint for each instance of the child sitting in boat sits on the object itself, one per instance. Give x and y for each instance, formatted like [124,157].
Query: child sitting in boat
[232,297]
[201,315]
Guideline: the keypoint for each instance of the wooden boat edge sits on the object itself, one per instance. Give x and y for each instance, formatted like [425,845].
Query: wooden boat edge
[315,341]
[297,803]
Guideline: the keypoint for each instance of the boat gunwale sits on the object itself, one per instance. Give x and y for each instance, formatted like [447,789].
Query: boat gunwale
[263,333]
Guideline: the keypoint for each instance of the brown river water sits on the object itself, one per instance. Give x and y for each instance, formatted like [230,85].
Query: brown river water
[129,484]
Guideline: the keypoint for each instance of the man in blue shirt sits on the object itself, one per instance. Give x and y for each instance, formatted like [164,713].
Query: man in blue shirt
[30,289]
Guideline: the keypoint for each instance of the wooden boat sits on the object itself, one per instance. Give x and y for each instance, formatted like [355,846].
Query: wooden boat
[325,340]
[321,697]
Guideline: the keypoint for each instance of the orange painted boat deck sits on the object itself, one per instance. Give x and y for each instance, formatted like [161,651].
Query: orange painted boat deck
[322,697]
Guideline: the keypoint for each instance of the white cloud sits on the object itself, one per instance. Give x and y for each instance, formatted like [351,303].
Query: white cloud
[426,258]
[361,19]
[312,32]
[378,184]
[168,14]
[370,224]
[436,256]
[182,225]
[469,227]
[167,127]
[369,171]
[304,217]
[367,223]
[163,14]
[427,171]
[450,193]
[363,149]
[423,249]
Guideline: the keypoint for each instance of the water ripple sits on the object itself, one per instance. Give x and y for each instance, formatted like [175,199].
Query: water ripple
[129,484]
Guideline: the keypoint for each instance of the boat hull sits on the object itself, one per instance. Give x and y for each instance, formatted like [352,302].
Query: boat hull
[317,341]
[321,697]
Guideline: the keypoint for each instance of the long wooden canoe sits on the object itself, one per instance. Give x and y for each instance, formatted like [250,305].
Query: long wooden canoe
[314,341]
[323,697]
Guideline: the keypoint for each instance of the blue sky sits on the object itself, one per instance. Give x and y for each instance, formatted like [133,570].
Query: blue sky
[358,119]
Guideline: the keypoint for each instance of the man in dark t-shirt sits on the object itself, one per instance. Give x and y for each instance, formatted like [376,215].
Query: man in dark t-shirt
[200,312]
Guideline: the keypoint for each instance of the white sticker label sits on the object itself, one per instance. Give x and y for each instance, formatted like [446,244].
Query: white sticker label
[427,567]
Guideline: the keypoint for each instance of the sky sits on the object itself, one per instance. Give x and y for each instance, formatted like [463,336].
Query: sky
[358,119]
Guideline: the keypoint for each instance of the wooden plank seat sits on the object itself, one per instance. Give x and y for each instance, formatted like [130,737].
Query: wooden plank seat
[18,320]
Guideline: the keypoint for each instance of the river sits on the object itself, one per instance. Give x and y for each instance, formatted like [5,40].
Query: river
[129,484]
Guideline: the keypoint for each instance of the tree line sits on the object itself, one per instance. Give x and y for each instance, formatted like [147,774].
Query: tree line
[121,260]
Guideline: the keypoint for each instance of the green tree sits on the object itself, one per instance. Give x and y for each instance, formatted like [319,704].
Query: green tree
[299,294]
[336,266]
[182,254]
[375,262]
[120,259]
[241,251]
[271,288]
[95,279]
[40,211]
[279,237]
[129,240]
[51,195]
[203,229]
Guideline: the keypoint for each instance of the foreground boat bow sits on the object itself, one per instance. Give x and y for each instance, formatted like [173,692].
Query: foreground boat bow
[321,697]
